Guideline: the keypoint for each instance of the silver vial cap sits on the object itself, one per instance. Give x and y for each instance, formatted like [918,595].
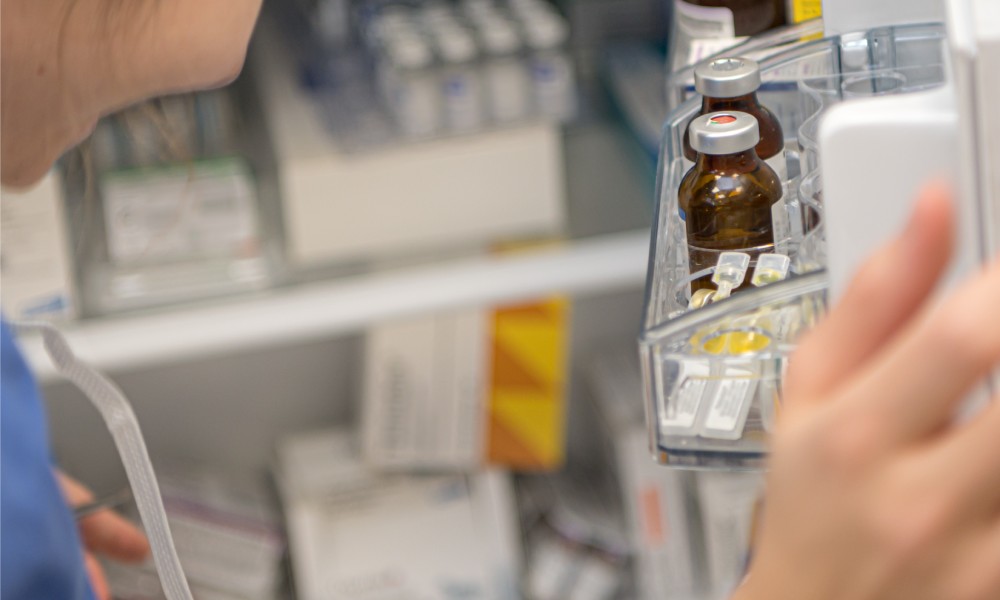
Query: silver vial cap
[727,77]
[726,132]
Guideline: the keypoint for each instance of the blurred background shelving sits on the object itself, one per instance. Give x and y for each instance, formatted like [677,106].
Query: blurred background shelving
[601,198]
[313,226]
[595,266]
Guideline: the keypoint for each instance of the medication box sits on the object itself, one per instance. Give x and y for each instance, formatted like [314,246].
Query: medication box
[355,534]
[690,531]
[658,501]
[413,197]
[463,389]
[35,253]
[227,531]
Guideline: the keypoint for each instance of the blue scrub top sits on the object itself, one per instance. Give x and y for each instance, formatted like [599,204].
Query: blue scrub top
[40,551]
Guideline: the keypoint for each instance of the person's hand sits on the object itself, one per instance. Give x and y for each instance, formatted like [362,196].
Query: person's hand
[103,532]
[874,492]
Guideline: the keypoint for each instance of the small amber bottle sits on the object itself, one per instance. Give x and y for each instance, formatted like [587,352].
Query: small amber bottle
[731,83]
[749,17]
[726,199]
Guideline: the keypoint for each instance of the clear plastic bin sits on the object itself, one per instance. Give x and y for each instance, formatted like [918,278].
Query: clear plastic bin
[713,375]
[178,211]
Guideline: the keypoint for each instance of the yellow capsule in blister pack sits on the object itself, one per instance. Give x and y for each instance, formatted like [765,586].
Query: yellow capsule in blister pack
[746,342]
[744,335]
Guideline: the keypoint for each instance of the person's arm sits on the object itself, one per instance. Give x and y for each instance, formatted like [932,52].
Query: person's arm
[873,493]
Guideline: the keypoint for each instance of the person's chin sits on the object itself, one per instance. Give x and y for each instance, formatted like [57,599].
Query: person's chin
[82,134]
[30,167]
[22,177]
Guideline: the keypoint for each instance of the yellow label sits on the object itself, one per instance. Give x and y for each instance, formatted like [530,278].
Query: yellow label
[803,10]
[525,411]
[526,405]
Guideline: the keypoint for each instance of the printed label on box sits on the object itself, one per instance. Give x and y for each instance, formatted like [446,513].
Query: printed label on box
[527,385]
[729,407]
[803,10]
[424,392]
[363,536]
[36,258]
[781,226]
[704,21]
[702,48]
[681,413]
[176,212]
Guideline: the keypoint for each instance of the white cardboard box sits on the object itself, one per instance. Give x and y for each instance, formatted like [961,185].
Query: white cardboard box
[357,535]
[728,503]
[427,196]
[424,392]
[657,499]
[227,531]
[35,253]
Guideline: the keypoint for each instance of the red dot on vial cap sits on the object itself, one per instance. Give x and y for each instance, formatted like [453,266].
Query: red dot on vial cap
[722,119]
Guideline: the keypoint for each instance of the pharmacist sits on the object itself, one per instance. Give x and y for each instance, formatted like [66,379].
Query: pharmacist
[872,495]
[65,63]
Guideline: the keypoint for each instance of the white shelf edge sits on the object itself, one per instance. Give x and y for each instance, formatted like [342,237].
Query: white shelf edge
[599,264]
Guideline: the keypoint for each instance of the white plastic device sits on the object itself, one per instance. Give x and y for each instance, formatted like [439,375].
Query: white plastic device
[878,152]
[843,16]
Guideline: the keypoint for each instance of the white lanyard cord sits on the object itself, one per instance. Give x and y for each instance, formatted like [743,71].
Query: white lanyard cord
[124,427]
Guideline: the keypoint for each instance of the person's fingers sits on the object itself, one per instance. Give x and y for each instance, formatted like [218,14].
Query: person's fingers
[75,492]
[108,533]
[966,464]
[933,366]
[978,574]
[98,582]
[105,531]
[885,294]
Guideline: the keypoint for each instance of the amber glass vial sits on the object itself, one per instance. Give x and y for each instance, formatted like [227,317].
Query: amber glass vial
[730,84]
[749,16]
[726,199]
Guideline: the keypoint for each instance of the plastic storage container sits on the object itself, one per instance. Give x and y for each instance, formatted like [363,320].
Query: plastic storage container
[174,204]
[713,375]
